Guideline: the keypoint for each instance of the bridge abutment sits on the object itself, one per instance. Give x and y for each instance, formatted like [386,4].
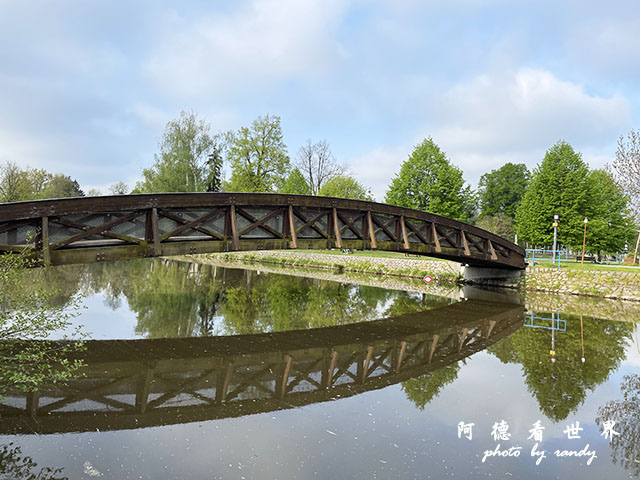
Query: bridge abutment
[491,276]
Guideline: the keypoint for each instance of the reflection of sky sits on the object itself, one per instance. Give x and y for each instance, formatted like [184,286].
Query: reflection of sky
[379,434]
[103,322]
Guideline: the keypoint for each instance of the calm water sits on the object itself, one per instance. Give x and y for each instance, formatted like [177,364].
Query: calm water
[205,372]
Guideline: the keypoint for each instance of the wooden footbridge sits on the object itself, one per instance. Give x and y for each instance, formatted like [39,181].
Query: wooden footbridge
[141,383]
[92,229]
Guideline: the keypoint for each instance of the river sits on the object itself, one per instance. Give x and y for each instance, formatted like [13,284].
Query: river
[200,371]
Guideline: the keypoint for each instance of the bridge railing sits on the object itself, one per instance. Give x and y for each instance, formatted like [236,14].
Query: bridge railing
[89,229]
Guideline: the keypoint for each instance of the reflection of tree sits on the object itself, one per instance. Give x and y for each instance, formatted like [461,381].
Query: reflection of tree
[13,466]
[30,312]
[562,386]
[177,299]
[625,447]
[422,390]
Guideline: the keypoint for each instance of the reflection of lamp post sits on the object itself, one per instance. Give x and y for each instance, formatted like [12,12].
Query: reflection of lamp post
[555,235]
[582,336]
[584,239]
[553,337]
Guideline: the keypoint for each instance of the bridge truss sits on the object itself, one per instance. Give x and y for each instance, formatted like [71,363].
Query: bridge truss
[93,229]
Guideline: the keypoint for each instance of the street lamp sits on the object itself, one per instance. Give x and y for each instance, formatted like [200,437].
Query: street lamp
[555,235]
[584,239]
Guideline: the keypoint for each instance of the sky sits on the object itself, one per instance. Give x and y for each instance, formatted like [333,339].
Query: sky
[86,88]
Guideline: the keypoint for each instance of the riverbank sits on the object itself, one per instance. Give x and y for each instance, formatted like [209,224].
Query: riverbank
[534,301]
[620,285]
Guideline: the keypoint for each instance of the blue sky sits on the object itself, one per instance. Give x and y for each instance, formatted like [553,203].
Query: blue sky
[86,88]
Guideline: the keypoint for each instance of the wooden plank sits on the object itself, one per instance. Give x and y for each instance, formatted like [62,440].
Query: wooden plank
[492,251]
[432,347]
[332,366]
[336,228]
[142,389]
[46,256]
[463,337]
[12,248]
[465,245]
[367,362]
[403,229]
[436,240]
[223,383]
[403,349]
[372,235]
[292,229]
[155,233]
[207,231]
[285,376]
[234,230]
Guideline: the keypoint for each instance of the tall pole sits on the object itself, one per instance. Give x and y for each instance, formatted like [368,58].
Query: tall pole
[555,235]
[584,239]
[635,254]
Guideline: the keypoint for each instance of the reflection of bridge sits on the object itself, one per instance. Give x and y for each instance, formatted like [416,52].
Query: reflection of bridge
[83,230]
[141,383]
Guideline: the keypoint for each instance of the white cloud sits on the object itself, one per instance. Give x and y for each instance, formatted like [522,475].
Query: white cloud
[376,168]
[516,116]
[262,41]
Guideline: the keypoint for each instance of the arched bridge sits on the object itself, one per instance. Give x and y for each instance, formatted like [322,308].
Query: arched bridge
[90,229]
[142,383]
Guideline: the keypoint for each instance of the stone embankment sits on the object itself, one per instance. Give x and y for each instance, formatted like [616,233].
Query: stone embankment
[594,283]
[622,285]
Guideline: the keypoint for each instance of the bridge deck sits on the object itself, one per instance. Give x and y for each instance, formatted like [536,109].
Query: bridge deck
[90,229]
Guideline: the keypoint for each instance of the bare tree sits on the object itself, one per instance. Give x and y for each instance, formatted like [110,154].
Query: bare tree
[626,168]
[317,164]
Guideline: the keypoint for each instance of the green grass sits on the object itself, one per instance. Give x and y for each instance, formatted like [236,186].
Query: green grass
[571,265]
[369,253]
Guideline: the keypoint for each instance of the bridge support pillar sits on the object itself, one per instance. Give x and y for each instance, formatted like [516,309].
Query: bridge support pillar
[499,277]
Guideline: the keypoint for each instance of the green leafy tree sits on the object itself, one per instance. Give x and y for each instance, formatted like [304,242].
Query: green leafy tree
[61,186]
[610,226]
[343,186]
[296,183]
[501,190]
[14,186]
[258,156]
[560,185]
[27,313]
[14,465]
[423,389]
[184,162]
[428,181]
[561,387]
[500,224]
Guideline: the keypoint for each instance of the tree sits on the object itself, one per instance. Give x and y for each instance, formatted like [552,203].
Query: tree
[610,225]
[500,224]
[428,181]
[626,169]
[119,188]
[13,184]
[501,190]
[183,164]
[259,158]
[317,164]
[28,313]
[560,185]
[61,186]
[296,183]
[343,186]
